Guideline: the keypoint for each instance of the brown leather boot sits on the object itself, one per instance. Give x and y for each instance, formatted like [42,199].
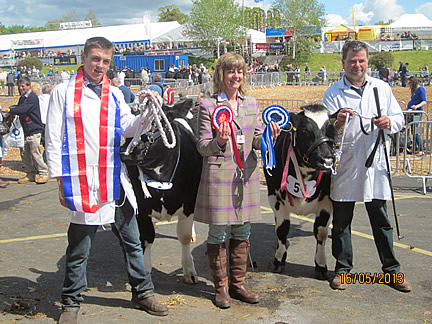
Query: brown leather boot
[218,264]
[238,253]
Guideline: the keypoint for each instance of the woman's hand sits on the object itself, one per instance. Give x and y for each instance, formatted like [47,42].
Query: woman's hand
[223,134]
[275,129]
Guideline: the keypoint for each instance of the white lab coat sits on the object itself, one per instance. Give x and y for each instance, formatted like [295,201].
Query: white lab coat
[355,182]
[90,111]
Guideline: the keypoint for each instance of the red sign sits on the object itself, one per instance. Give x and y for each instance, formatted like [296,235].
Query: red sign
[262,46]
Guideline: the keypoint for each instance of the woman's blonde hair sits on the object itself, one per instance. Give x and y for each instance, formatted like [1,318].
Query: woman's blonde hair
[227,62]
[36,88]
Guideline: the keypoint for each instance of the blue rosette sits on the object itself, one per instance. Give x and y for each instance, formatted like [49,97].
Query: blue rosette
[280,116]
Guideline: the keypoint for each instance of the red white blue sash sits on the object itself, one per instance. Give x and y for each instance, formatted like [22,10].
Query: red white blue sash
[74,166]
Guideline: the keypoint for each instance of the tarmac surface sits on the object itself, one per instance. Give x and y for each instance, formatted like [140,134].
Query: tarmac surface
[33,243]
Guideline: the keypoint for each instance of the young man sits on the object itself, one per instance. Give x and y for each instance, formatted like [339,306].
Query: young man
[355,182]
[85,121]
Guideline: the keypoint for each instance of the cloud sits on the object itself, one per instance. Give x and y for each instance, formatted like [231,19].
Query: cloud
[372,11]
[333,20]
[425,9]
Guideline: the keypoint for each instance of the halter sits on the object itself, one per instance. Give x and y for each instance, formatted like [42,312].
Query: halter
[318,142]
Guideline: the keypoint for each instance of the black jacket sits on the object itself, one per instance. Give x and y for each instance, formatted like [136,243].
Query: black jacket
[29,114]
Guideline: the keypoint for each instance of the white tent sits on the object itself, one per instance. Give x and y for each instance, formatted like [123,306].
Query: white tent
[256,36]
[412,21]
[77,37]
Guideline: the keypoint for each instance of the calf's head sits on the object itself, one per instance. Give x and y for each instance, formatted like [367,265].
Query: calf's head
[315,136]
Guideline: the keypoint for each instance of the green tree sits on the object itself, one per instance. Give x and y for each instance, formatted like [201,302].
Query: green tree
[172,13]
[17,29]
[92,17]
[298,15]
[30,61]
[70,16]
[381,59]
[213,22]
[382,22]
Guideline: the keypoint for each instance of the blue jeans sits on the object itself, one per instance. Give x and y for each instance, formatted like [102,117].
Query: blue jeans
[218,233]
[80,238]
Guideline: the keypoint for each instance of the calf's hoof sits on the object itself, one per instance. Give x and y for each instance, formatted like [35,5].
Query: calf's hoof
[278,267]
[321,272]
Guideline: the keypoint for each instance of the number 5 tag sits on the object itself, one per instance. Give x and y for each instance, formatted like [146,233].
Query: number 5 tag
[294,189]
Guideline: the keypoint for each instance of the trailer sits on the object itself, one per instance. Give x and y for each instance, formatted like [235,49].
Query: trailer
[155,63]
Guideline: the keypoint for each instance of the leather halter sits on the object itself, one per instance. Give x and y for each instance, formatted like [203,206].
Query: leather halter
[318,142]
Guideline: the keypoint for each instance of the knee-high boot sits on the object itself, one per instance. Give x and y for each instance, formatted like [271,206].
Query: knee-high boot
[238,253]
[218,264]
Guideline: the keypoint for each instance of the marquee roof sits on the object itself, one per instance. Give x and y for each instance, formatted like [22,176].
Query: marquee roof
[412,21]
[77,37]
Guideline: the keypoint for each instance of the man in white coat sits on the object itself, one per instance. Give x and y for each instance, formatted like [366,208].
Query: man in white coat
[353,96]
[85,121]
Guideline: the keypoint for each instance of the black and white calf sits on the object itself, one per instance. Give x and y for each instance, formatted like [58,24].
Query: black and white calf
[165,182]
[304,157]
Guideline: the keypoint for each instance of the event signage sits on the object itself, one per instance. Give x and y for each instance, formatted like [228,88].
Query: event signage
[27,43]
[277,46]
[75,24]
[278,32]
[262,46]
[65,60]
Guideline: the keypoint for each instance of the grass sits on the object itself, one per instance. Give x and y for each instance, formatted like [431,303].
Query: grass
[332,61]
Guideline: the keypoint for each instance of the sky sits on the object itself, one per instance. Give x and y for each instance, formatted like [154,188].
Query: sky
[38,12]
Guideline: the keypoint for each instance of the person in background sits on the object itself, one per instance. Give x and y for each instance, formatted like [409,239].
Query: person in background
[90,195]
[29,114]
[354,182]
[64,76]
[297,73]
[43,106]
[228,196]
[144,77]
[129,97]
[10,80]
[3,152]
[417,102]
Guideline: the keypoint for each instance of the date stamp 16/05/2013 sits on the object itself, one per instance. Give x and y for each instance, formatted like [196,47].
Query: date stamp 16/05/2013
[372,278]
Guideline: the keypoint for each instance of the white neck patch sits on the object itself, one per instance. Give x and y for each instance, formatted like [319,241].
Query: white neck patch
[318,117]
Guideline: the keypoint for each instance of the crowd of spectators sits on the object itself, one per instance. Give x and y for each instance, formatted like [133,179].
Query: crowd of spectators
[141,48]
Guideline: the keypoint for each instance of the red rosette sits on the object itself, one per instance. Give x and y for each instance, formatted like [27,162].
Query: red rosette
[221,114]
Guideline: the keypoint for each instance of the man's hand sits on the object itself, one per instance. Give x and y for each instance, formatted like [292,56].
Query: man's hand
[383,122]
[4,109]
[342,115]
[61,194]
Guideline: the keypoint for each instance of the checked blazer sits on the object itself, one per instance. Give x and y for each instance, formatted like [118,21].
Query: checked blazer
[227,196]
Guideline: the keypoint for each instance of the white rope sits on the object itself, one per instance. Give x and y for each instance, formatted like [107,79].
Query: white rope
[338,153]
[150,110]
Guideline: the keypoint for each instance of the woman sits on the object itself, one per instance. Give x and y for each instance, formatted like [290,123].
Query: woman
[226,194]
[417,102]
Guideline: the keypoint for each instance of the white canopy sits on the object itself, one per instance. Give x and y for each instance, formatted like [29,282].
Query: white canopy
[77,37]
[256,36]
[413,21]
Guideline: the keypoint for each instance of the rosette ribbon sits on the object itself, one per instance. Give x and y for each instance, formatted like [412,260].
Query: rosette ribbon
[221,114]
[280,116]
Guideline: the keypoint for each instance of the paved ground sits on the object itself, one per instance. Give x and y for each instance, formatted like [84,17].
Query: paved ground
[33,242]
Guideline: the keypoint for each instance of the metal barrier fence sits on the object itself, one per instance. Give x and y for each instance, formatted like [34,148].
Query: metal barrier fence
[263,79]
[417,161]
[288,104]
